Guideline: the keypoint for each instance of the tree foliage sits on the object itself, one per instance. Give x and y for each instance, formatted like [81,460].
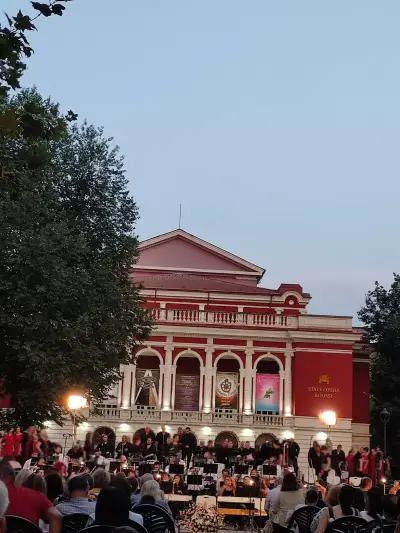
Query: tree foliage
[69,313]
[14,44]
[381,317]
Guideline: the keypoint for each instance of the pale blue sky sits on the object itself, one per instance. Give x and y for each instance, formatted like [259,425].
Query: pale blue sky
[276,124]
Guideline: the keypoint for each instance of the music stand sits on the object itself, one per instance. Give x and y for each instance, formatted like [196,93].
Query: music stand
[177,469]
[211,468]
[194,479]
[270,470]
[241,469]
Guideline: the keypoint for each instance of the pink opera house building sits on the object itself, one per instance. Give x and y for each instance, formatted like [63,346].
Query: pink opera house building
[229,357]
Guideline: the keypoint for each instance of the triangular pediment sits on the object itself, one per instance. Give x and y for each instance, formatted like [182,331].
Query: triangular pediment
[180,251]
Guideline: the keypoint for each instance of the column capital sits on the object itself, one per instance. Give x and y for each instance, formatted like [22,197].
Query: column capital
[249,351]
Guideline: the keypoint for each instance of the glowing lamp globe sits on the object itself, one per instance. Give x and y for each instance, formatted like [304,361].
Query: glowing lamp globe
[328,418]
[76,401]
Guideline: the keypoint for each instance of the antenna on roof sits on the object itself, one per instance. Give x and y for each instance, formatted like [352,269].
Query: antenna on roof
[180,216]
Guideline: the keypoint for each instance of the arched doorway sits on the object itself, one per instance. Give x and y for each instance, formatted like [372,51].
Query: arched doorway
[228,436]
[187,383]
[103,430]
[268,391]
[264,437]
[227,390]
[147,375]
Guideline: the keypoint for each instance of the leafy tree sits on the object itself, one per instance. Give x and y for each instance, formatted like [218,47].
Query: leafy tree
[69,313]
[381,316]
[14,44]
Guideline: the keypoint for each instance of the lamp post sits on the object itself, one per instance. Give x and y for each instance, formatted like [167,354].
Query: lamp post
[385,417]
[75,402]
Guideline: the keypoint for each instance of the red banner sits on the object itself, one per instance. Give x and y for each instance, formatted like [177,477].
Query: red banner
[322,381]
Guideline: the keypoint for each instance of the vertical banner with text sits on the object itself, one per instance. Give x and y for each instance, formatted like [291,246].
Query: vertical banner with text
[226,390]
[187,389]
[267,392]
[147,382]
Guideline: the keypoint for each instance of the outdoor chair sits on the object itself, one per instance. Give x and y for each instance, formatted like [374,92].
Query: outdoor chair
[74,522]
[155,519]
[16,524]
[349,524]
[303,517]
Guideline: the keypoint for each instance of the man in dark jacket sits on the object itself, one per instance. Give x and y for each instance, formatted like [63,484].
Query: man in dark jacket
[189,443]
[338,459]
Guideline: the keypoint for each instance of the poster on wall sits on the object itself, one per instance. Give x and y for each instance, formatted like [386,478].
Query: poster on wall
[147,381]
[226,390]
[187,388]
[267,392]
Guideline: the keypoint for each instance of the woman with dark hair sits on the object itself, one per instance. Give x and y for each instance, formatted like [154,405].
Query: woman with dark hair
[374,509]
[55,485]
[290,496]
[112,507]
[344,508]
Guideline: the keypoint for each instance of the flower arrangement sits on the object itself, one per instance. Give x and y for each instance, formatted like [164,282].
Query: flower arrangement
[201,519]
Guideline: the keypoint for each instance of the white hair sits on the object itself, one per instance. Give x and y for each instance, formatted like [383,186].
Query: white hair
[151,488]
[4,501]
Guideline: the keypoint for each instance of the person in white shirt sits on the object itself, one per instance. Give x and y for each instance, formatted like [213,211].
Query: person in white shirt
[273,495]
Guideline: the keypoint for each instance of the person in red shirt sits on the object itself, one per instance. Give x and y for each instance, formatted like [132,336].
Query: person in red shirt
[27,503]
[7,444]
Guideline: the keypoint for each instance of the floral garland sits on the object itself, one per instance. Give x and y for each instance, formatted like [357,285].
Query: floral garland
[201,519]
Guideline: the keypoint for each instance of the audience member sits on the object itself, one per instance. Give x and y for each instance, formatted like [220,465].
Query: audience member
[112,508]
[78,501]
[28,503]
[289,497]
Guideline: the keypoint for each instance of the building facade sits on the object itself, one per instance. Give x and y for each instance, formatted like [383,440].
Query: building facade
[229,357]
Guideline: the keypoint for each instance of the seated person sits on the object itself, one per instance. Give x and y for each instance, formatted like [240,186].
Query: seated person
[344,508]
[166,483]
[28,503]
[178,486]
[124,448]
[112,508]
[151,490]
[78,501]
[227,487]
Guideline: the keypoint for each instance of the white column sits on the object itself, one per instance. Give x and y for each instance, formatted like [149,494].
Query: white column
[208,387]
[253,377]
[166,403]
[124,389]
[214,376]
[201,377]
[288,380]
[161,387]
[241,387]
[248,380]
[281,385]
[173,375]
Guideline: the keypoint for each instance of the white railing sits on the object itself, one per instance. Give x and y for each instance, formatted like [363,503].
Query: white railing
[267,420]
[195,316]
[186,416]
[140,413]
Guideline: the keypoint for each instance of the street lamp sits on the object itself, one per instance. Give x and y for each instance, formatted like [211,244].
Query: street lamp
[385,417]
[75,402]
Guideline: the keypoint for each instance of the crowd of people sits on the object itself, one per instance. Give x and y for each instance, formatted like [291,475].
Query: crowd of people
[356,463]
[105,481]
